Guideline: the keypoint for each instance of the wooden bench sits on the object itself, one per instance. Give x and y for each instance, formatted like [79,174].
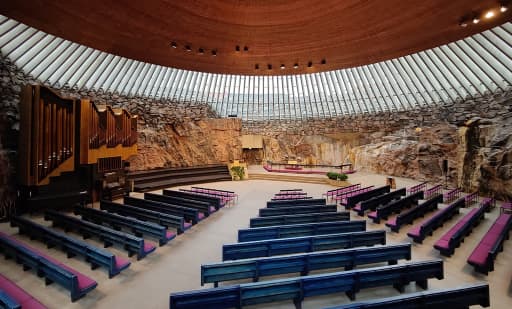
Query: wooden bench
[334,192]
[425,228]
[483,256]
[408,216]
[224,200]
[460,297]
[383,212]
[451,195]
[417,188]
[471,198]
[296,289]
[434,191]
[302,263]
[281,246]
[290,198]
[166,220]
[374,202]
[204,207]
[47,267]
[72,246]
[281,211]
[189,214]
[227,195]
[12,296]
[131,243]
[353,200]
[138,227]
[298,230]
[300,218]
[294,203]
[213,201]
[342,197]
[454,237]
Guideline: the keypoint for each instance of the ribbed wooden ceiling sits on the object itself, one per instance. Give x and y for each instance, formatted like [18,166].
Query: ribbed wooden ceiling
[344,34]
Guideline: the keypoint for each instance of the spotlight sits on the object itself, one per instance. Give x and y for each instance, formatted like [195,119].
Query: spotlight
[188,48]
[310,64]
[269,66]
[246,48]
[324,61]
[503,8]
[489,14]
[174,45]
[237,48]
[476,20]
[296,66]
[201,51]
[214,53]
[282,67]
[257,66]
[463,24]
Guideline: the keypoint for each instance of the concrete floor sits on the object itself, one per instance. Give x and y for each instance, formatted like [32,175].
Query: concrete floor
[176,266]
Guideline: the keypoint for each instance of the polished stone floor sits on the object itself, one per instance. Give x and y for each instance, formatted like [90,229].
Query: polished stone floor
[176,266]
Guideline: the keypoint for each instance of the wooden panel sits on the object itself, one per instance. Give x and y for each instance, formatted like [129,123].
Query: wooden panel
[252,141]
[346,33]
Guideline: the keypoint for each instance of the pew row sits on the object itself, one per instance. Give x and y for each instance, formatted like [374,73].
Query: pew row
[460,297]
[294,203]
[334,192]
[455,236]
[189,214]
[483,256]
[300,218]
[302,263]
[213,201]
[425,228]
[298,230]
[16,296]
[138,227]
[376,201]
[271,247]
[203,208]
[353,200]
[72,246]
[383,212]
[162,219]
[281,211]
[47,267]
[342,197]
[131,243]
[296,289]
[408,216]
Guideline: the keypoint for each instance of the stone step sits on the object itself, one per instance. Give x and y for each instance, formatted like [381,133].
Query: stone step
[288,178]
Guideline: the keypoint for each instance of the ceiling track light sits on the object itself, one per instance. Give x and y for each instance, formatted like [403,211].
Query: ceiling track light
[489,14]
[504,6]
[296,66]
[282,67]
[174,45]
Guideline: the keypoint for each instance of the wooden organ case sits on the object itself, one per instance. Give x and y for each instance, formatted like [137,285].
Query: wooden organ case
[71,150]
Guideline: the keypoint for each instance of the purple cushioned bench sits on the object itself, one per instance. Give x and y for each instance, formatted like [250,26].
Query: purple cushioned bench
[19,295]
[425,228]
[408,216]
[482,257]
[451,239]
[85,284]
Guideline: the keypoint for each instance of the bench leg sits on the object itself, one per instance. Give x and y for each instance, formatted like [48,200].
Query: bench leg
[399,287]
[25,267]
[94,266]
[422,284]
[351,295]
[297,303]
[392,262]
[70,254]
[47,281]
[216,284]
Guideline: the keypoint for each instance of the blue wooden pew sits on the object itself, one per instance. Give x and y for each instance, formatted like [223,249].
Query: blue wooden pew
[293,203]
[302,263]
[459,297]
[213,201]
[281,246]
[425,228]
[408,216]
[281,211]
[47,267]
[297,230]
[138,227]
[379,200]
[383,212]
[300,218]
[296,289]
[95,256]
[203,208]
[131,243]
[363,196]
[162,219]
[188,214]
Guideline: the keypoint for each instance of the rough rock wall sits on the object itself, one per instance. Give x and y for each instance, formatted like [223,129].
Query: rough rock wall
[479,154]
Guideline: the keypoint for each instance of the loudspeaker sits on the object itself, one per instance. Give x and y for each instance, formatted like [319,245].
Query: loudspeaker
[445,166]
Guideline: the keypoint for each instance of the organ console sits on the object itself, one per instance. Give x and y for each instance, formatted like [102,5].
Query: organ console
[71,145]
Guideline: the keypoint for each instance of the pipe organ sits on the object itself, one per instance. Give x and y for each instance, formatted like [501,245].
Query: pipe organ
[71,145]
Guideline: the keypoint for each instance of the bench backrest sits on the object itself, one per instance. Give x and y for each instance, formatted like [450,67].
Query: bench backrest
[213,201]
[411,214]
[411,199]
[300,218]
[297,230]
[301,244]
[382,199]
[441,216]
[178,211]
[268,212]
[353,200]
[278,204]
